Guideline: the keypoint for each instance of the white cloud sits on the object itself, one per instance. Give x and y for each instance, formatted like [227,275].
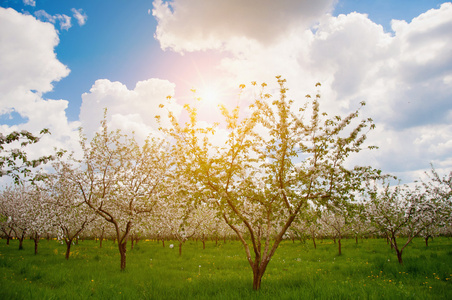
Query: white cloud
[198,25]
[80,16]
[404,77]
[128,110]
[27,74]
[63,20]
[30,2]
[35,66]
[44,16]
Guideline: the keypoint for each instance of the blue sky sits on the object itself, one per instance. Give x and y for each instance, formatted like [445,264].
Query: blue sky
[180,45]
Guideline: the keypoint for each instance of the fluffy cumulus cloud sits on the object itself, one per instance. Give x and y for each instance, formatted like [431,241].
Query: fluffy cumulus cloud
[31,72]
[27,74]
[128,110]
[35,67]
[196,24]
[405,76]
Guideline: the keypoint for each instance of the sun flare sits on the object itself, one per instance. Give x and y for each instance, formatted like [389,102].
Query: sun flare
[210,94]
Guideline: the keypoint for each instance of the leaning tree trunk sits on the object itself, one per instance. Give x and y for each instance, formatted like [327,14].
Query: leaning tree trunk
[180,248]
[388,240]
[313,241]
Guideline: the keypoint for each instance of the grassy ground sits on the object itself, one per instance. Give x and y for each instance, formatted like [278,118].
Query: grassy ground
[367,270]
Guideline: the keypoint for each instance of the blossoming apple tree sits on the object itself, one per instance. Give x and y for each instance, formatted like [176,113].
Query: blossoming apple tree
[24,213]
[70,215]
[336,220]
[14,204]
[181,219]
[120,180]
[400,210]
[275,161]
[439,190]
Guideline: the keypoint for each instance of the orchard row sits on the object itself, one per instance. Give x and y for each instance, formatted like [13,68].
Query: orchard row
[278,169]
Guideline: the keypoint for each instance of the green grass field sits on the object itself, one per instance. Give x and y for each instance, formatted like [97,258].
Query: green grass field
[368,270]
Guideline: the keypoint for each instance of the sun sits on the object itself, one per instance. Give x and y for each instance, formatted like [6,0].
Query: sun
[210,94]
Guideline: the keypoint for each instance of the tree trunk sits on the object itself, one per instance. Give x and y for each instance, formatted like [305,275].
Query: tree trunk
[356,239]
[313,240]
[339,245]
[203,242]
[180,248]
[8,236]
[21,241]
[426,241]
[388,240]
[163,242]
[122,251]
[101,239]
[68,248]
[257,276]
[36,239]
[399,256]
